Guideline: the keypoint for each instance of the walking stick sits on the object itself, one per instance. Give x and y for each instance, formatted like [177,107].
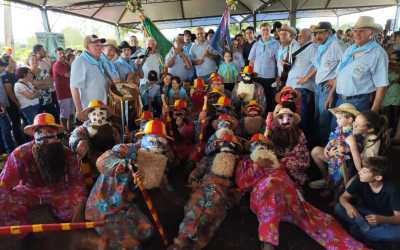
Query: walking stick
[149,205]
[40,228]
[122,120]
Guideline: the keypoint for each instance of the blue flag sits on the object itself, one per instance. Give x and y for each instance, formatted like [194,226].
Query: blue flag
[222,34]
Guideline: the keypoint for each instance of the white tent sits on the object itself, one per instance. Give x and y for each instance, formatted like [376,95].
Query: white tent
[183,13]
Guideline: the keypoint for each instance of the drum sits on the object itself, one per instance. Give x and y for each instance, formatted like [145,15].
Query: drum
[124,100]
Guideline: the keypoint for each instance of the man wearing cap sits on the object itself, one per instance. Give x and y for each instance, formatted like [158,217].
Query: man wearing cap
[363,69]
[126,68]
[302,65]
[7,142]
[178,62]
[61,74]
[202,56]
[108,58]
[263,60]
[41,172]
[288,46]
[326,61]
[88,76]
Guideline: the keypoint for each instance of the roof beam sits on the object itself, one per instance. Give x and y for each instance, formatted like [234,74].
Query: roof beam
[182,9]
[98,10]
[245,6]
[122,15]
[284,5]
[304,4]
[327,4]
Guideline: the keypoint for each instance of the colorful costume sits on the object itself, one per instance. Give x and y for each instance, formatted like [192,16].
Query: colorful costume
[111,200]
[336,140]
[274,198]
[213,195]
[22,187]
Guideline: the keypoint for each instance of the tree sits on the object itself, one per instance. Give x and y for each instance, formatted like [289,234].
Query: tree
[73,38]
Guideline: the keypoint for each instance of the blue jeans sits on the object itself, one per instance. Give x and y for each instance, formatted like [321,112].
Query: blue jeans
[7,139]
[307,112]
[362,231]
[362,103]
[30,112]
[322,116]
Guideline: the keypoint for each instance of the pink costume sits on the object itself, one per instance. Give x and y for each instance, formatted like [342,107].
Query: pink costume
[274,198]
[22,188]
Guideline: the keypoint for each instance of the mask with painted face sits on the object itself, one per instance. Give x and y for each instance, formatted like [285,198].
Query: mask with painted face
[98,117]
[285,120]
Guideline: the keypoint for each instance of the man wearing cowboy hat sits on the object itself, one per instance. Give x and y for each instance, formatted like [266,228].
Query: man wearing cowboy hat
[327,58]
[108,58]
[126,68]
[41,172]
[88,77]
[363,69]
[290,144]
[287,39]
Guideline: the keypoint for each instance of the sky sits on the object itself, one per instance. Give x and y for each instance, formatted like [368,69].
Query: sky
[27,21]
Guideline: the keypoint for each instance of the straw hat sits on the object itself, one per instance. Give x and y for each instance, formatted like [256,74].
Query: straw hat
[345,107]
[280,110]
[111,42]
[155,127]
[289,29]
[43,120]
[96,104]
[366,22]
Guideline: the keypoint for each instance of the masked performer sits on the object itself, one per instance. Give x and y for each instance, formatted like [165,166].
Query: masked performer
[93,137]
[290,144]
[41,172]
[247,90]
[275,198]
[197,95]
[213,195]
[252,122]
[112,200]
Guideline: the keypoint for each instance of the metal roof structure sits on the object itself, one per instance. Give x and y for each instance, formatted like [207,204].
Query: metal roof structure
[185,13]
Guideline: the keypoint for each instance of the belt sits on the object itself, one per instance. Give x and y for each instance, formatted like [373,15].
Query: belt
[352,97]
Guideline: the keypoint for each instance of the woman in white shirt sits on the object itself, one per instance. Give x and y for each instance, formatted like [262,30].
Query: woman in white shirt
[27,94]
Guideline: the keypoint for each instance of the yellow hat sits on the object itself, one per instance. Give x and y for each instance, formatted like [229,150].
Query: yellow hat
[155,127]
[96,104]
[223,101]
[180,104]
[247,70]
[42,120]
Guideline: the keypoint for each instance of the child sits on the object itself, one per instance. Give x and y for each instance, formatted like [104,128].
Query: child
[377,218]
[166,83]
[373,128]
[341,147]
[176,92]
[228,71]
[150,93]
[237,55]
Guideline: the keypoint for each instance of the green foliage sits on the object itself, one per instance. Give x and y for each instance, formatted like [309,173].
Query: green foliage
[73,38]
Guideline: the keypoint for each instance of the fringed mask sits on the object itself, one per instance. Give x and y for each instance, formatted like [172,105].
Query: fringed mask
[97,117]
[154,144]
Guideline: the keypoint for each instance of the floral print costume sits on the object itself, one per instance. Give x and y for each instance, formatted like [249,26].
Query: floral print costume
[111,200]
[274,198]
[22,188]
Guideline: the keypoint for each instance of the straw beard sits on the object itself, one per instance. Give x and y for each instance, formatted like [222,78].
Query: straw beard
[285,138]
[50,161]
[103,140]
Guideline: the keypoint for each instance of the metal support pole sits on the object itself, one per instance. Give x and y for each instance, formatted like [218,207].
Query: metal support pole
[118,33]
[45,19]
[396,19]
[255,20]
[292,12]
[8,32]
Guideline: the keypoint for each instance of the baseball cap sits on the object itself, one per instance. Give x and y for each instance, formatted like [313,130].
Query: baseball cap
[92,39]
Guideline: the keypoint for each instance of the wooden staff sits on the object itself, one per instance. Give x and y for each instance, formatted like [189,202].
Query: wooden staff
[40,228]
[203,122]
[149,205]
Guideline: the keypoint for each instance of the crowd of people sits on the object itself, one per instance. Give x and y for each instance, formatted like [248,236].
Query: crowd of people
[253,119]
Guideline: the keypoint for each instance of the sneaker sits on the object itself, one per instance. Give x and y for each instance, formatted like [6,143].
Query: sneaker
[318,184]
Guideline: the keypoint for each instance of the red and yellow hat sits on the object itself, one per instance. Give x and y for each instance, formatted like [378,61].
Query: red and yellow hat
[259,138]
[247,70]
[155,127]
[42,120]
[145,116]
[225,117]
[223,101]
[96,104]
[215,78]
[199,84]
[180,104]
